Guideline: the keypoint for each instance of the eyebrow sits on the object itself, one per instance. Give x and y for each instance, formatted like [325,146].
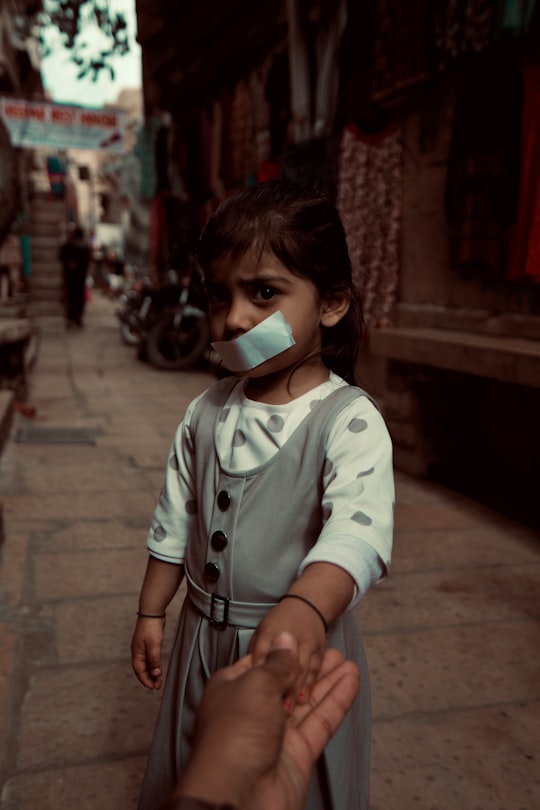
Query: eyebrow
[249,282]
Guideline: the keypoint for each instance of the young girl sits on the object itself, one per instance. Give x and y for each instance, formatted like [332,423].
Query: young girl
[278,497]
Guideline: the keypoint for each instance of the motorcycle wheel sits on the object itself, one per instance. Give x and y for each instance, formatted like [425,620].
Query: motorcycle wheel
[129,337]
[173,347]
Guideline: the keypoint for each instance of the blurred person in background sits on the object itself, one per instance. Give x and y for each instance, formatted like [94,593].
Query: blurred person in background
[74,256]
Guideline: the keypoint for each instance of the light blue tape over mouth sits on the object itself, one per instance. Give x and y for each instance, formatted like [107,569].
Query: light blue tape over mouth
[266,340]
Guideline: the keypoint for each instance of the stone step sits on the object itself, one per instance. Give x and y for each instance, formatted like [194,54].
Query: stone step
[46,271]
[45,241]
[49,221]
[44,261]
[48,208]
[42,308]
[48,295]
[45,286]
[44,258]
[46,228]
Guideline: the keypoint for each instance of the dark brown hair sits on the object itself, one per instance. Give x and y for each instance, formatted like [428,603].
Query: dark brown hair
[303,230]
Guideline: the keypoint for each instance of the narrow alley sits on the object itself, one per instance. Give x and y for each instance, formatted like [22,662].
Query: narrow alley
[453,635]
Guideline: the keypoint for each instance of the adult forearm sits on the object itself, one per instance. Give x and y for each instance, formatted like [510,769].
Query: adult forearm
[161,581]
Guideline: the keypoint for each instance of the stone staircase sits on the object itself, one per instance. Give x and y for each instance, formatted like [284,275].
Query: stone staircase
[47,218]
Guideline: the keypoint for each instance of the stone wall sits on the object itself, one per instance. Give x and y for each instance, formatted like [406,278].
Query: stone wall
[443,420]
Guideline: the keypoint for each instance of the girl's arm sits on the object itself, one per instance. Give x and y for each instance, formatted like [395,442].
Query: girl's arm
[160,584]
[166,542]
[353,548]
[328,590]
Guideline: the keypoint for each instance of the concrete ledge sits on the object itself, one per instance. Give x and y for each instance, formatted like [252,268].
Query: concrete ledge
[6,415]
[14,329]
[510,360]
[15,340]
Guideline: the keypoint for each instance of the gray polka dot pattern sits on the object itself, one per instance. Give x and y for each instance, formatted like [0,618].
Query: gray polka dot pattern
[239,438]
[328,467]
[313,404]
[357,425]
[332,478]
[224,414]
[173,463]
[191,507]
[159,534]
[275,423]
[362,519]
[327,510]
[366,472]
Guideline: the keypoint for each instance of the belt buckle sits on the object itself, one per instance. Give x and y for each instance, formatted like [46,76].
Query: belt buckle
[219,624]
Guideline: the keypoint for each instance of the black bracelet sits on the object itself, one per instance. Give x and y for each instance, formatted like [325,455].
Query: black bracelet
[312,606]
[187,803]
[151,615]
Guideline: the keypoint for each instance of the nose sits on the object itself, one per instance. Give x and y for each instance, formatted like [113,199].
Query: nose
[237,319]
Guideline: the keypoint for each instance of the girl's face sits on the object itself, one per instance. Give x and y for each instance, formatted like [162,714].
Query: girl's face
[246,292]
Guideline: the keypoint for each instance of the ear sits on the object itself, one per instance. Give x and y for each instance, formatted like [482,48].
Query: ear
[334,307]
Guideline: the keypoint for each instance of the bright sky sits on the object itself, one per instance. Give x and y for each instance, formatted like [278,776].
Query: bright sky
[59,75]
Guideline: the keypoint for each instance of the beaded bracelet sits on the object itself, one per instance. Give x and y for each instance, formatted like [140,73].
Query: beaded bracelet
[151,615]
[311,605]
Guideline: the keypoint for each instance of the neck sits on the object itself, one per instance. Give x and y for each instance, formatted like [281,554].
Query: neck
[289,384]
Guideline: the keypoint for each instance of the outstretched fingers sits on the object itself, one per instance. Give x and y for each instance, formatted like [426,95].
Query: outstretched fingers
[332,697]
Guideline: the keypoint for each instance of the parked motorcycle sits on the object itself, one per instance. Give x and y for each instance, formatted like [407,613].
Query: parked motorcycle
[167,322]
[132,310]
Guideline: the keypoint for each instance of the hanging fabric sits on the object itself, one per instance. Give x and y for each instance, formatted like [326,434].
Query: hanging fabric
[242,162]
[145,150]
[300,77]
[482,188]
[261,112]
[327,46]
[401,48]
[515,17]
[369,202]
[314,46]
[216,139]
[464,27]
[277,93]
[205,134]
[524,259]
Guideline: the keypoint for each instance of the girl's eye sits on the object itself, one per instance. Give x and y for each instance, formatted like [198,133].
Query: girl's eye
[265,293]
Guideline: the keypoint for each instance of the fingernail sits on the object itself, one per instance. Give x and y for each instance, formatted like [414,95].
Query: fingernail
[301,697]
[283,641]
[287,706]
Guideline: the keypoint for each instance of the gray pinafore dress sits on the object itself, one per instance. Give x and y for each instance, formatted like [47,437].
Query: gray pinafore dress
[254,530]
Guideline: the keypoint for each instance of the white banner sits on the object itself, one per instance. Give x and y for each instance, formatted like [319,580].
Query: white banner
[58,126]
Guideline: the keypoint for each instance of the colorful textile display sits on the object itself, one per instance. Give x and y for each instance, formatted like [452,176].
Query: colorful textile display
[369,202]
[483,167]
[524,260]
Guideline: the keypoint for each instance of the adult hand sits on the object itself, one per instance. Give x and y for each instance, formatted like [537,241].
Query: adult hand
[247,750]
[303,623]
[307,733]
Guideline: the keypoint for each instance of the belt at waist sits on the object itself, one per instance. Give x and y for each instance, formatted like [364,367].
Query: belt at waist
[223,612]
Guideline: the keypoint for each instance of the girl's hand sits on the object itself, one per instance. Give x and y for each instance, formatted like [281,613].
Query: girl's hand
[146,651]
[303,623]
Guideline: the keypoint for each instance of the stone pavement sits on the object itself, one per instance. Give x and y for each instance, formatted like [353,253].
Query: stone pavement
[453,636]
